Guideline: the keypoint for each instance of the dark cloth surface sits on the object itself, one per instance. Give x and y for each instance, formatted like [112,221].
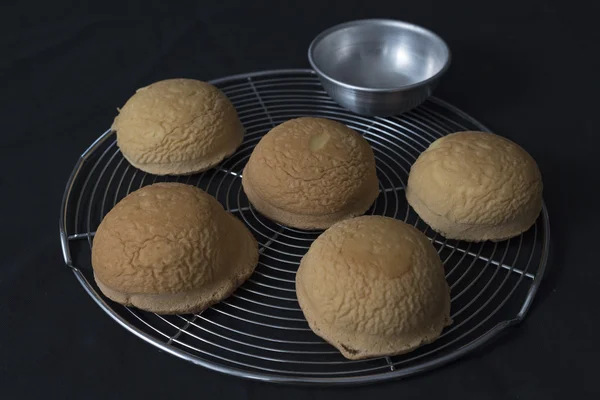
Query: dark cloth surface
[527,69]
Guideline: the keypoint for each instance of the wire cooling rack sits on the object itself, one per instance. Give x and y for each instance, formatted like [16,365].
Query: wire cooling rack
[260,332]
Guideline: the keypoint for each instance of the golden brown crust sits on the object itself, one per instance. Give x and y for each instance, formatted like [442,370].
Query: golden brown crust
[373,286]
[311,173]
[304,221]
[171,248]
[177,127]
[476,186]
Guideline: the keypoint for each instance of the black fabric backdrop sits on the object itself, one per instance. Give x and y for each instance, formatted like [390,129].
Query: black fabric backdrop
[527,68]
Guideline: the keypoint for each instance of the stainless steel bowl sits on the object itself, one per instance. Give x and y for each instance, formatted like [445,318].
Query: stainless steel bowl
[377,66]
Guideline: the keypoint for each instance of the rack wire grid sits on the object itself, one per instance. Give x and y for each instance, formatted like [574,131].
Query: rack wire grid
[260,332]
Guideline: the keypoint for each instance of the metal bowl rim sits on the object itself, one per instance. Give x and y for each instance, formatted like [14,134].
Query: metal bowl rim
[397,23]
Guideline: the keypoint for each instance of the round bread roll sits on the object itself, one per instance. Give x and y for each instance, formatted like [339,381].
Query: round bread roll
[373,286]
[171,248]
[177,127]
[476,186]
[310,173]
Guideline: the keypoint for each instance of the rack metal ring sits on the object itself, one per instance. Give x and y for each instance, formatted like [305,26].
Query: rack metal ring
[260,332]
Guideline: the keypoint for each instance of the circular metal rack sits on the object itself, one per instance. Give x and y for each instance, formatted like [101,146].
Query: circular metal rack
[260,332]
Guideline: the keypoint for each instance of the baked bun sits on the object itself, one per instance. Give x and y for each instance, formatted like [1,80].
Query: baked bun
[171,248]
[476,186]
[310,173]
[177,127]
[373,286]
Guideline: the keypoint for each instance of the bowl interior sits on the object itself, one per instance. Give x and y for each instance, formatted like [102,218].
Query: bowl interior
[379,54]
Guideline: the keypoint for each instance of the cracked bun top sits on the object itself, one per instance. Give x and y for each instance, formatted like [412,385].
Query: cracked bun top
[169,239]
[311,172]
[476,186]
[373,286]
[177,126]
